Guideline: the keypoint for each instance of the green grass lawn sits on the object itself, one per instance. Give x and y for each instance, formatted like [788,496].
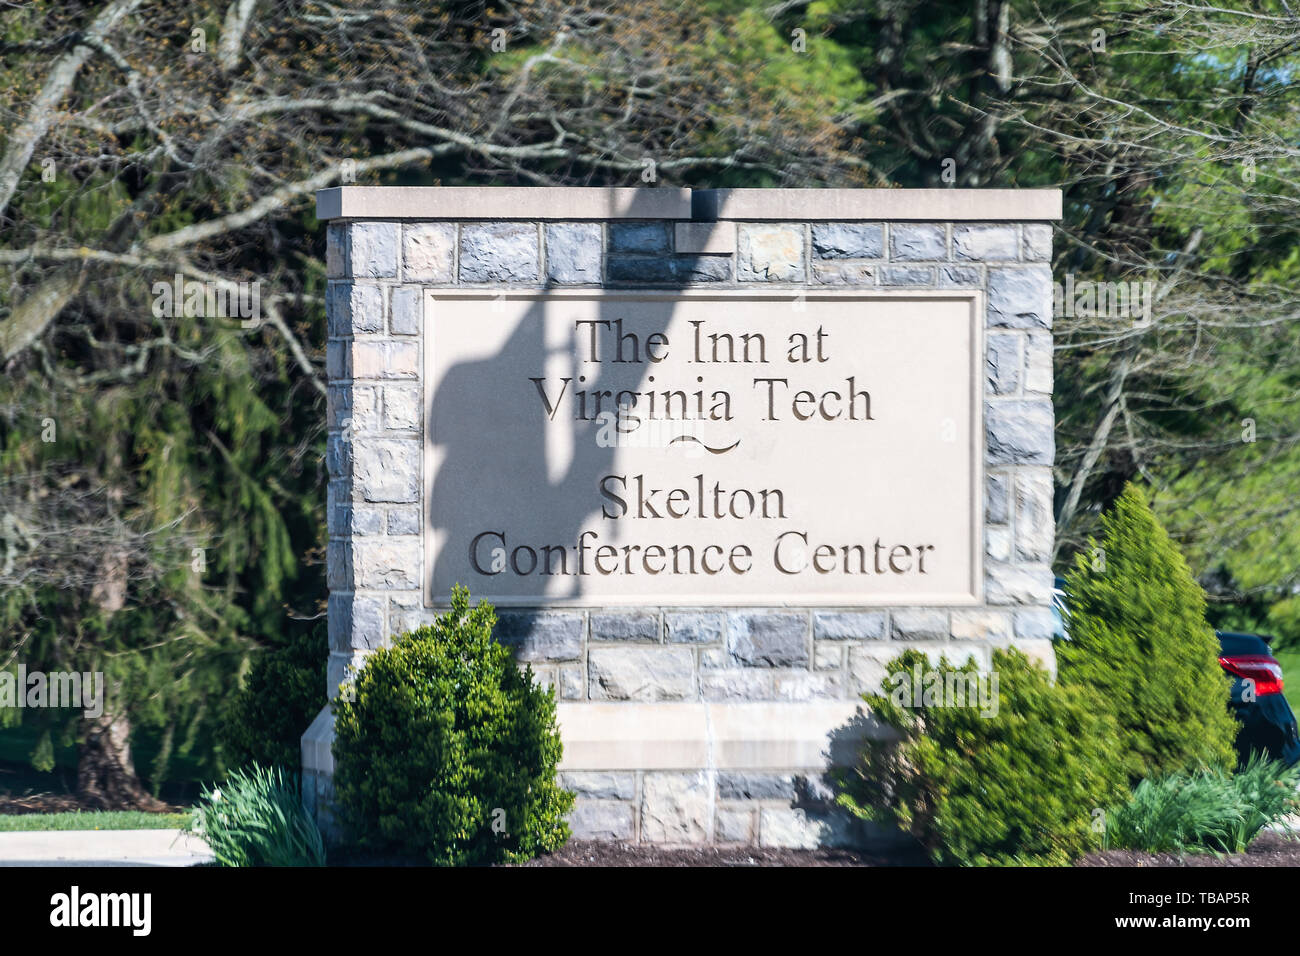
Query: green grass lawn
[105,820]
[1290,661]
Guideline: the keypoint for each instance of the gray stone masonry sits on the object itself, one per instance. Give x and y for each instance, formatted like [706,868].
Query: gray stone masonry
[377,273]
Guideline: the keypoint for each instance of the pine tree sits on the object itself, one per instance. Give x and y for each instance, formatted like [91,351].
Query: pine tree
[1138,636]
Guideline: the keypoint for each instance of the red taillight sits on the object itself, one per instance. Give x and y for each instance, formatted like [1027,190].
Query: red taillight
[1262,669]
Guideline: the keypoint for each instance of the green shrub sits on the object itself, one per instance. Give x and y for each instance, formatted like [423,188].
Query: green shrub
[1019,786]
[284,692]
[1266,792]
[1207,809]
[1139,638]
[256,818]
[448,750]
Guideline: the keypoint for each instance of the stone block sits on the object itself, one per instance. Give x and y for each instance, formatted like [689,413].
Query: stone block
[372,249]
[386,469]
[387,563]
[537,636]
[1017,584]
[844,273]
[961,277]
[1002,362]
[1038,363]
[755,785]
[355,622]
[980,625]
[768,638]
[640,269]
[736,683]
[404,520]
[827,657]
[1037,242]
[499,252]
[694,627]
[794,828]
[602,820]
[735,825]
[997,542]
[402,407]
[599,785]
[572,684]
[1020,298]
[848,240]
[1020,433]
[625,626]
[405,310]
[354,309]
[997,498]
[770,253]
[1035,623]
[638,237]
[907,276]
[691,270]
[986,243]
[1035,524]
[640,673]
[917,242]
[867,665]
[850,625]
[918,624]
[428,252]
[676,807]
[336,252]
[801,685]
[573,252]
[699,238]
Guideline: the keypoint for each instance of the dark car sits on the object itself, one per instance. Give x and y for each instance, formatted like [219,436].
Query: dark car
[1267,723]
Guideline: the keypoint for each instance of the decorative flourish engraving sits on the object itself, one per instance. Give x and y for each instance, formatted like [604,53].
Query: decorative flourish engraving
[710,450]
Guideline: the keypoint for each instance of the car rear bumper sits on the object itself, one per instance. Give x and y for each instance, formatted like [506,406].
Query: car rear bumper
[1267,725]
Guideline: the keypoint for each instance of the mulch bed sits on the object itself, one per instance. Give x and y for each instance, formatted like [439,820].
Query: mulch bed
[592,853]
[1269,849]
[20,803]
[599,853]
[38,803]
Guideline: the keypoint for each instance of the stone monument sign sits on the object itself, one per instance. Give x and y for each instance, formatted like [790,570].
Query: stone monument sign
[716,456]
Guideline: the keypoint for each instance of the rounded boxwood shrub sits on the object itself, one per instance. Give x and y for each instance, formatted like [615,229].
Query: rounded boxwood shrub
[1138,637]
[448,750]
[285,690]
[1025,784]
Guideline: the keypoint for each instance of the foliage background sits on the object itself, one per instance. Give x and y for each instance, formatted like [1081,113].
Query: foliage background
[173,531]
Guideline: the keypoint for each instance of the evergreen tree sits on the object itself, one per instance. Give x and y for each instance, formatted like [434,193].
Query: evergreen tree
[1138,636]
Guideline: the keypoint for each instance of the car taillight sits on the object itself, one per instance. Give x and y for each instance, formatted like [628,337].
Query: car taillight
[1260,668]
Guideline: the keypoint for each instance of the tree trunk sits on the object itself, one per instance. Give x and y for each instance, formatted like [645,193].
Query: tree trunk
[106,778]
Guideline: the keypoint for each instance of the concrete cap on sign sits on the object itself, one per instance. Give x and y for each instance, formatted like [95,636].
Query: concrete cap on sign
[701,205]
[931,205]
[502,202]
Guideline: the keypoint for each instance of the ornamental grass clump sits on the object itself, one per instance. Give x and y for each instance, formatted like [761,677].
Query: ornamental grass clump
[256,818]
[1207,810]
